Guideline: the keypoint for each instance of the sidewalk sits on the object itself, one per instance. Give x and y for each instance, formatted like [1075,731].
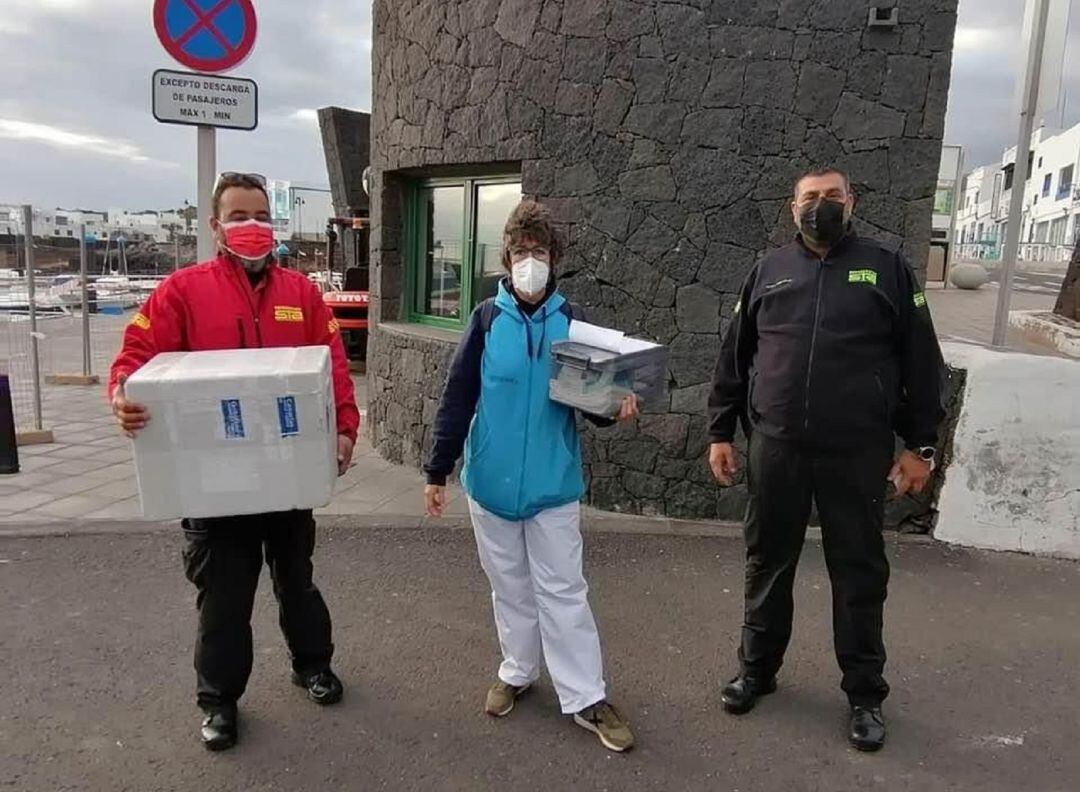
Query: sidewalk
[87,474]
[965,315]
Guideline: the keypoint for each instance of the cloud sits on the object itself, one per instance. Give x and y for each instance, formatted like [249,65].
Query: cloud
[987,63]
[53,136]
[980,39]
[82,68]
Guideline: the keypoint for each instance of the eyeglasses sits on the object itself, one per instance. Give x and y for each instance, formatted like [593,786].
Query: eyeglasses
[233,175]
[523,252]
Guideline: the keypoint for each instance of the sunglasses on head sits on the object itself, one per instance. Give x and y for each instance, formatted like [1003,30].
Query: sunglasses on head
[230,175]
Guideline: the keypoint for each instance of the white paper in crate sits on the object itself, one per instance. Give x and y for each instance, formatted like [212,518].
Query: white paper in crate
[235,432]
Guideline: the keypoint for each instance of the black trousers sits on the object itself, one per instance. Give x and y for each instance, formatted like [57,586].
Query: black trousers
[850,494]
[223,558]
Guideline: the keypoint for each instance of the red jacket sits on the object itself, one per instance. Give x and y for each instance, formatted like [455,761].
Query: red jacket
[213,306]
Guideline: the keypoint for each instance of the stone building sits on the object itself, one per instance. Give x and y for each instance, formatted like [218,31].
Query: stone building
[665,136]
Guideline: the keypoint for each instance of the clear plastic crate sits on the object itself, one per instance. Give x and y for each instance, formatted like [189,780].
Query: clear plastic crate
[596,380]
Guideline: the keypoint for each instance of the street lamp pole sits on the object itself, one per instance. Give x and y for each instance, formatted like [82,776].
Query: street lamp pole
[299,204]
[1032,77]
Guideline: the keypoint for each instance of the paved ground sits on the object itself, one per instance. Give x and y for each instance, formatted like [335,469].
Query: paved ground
[98,683]
[963,315]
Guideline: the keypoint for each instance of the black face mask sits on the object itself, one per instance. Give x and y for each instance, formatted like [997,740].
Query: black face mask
[823,222]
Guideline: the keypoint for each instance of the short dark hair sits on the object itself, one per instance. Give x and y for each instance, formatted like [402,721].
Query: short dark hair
[245,181]
[824,170]
[531,220]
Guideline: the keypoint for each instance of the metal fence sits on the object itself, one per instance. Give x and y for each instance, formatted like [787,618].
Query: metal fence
[60,351]
[1030,252]
[45,328]
[16,355]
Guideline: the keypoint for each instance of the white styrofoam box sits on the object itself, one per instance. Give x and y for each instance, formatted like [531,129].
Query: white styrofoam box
[231,432]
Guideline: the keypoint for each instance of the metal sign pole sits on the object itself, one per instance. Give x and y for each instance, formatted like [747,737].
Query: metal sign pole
[1028,109]
[83,287]
[35,366]
[207,175]
[950,248]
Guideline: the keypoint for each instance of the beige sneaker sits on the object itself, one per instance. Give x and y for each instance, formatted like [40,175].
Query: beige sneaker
[501,698]
[605,722]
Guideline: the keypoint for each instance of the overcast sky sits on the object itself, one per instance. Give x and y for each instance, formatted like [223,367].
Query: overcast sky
[76,128]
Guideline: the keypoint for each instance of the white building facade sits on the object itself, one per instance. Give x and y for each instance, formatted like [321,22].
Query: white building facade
[1050,225]
[51,223]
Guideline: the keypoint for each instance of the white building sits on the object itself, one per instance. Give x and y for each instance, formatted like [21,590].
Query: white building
[299,211]
[51,223]
[10,220]
[1051,204]
[136,225]
[1050,225]
[979,231]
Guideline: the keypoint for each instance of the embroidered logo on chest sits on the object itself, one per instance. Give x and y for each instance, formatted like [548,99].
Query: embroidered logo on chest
[288,313]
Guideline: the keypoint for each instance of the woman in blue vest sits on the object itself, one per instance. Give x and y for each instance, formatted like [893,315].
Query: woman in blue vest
[524,480]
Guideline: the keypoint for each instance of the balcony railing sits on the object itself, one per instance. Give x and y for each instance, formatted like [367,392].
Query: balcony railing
[1028,251]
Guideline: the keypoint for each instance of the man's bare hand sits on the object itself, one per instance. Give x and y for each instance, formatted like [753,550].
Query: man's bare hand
[910,474]
[724,461]
[344,454]
[435,500]
[131,416]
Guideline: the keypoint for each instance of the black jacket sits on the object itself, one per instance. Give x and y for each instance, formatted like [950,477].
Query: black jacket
[831,353]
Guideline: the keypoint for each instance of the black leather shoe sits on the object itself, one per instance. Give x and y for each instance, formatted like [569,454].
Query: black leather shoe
[741,694]
[323,687]
[867,728]
[219,730]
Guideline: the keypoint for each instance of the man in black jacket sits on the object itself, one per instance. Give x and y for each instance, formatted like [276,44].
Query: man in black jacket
[830,352]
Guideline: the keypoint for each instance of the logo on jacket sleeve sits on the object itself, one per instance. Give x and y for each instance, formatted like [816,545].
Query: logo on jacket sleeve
[288,313]
[333,326]
[920,299]
[141,321]
[863,276]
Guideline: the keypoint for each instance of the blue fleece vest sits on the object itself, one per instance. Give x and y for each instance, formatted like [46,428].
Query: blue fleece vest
[523,454]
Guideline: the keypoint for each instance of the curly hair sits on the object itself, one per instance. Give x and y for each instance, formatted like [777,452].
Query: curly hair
[531,220]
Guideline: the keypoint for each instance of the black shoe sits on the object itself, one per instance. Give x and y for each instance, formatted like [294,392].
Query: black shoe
[867,731]
[323,687]
[741,694]
[219,729]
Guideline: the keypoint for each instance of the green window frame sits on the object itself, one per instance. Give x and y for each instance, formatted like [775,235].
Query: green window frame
[415,247]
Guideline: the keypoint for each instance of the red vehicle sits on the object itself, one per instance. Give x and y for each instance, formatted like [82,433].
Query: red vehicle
[350,308]
[350,305]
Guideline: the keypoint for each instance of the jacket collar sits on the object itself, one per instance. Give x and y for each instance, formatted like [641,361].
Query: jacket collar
[232,268]
[849,238]
[506,301]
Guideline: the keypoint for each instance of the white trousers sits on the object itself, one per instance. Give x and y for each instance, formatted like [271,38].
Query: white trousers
[541,602]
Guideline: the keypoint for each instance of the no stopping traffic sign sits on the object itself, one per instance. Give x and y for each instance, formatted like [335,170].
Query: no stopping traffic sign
[206,35]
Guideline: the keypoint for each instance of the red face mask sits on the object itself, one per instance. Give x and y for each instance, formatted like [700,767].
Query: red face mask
[251,240]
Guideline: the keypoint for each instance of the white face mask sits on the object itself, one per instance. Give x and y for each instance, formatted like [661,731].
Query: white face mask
[530,276]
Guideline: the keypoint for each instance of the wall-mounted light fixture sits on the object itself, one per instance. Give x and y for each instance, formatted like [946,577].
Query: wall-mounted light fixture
[884,17]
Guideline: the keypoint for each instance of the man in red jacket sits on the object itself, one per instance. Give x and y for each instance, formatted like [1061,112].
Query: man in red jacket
[239,300]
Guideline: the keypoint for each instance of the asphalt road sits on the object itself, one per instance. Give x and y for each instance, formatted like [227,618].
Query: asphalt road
[97,688]
[1048,283]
